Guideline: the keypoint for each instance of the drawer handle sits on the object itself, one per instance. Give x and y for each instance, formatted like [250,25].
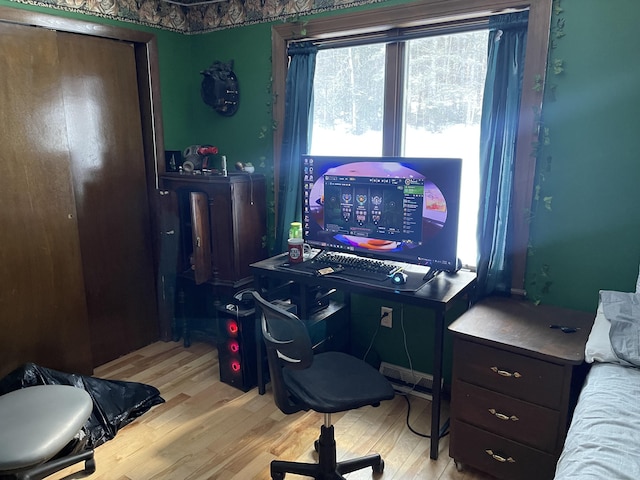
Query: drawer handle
[500,458]
[505,373]
[502,416]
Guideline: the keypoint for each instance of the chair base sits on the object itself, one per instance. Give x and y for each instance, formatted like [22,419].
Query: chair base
[48,468]
[327,467]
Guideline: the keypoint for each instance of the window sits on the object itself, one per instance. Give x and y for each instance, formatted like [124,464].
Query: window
[438,14]
[348,101]
[441,81]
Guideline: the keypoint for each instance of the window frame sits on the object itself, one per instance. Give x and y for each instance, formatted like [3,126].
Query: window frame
[434,12]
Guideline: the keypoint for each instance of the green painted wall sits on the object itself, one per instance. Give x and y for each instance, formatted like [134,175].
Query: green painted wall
[589,240]
[247,135]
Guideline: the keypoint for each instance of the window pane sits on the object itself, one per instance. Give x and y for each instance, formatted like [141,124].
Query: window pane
[348,91]
[443,106]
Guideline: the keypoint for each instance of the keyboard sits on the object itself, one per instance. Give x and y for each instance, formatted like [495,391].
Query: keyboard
[353,265]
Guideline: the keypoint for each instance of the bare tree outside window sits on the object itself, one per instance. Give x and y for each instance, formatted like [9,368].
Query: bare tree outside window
[444,82]
[348,93]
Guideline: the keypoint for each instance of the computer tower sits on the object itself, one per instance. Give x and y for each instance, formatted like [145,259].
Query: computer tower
[237,346]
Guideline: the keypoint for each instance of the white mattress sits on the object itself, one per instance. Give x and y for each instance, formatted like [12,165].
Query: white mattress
[603,442]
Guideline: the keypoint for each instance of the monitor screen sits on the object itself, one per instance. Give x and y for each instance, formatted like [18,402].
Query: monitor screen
[391,208]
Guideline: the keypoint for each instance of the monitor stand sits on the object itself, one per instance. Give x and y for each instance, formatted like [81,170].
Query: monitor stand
[430,274]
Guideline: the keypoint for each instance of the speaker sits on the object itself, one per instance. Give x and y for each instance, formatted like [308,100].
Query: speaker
[237,346]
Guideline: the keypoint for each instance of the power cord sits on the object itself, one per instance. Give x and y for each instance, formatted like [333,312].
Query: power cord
[373,338]
[423,435]
[406,349]
[413,387]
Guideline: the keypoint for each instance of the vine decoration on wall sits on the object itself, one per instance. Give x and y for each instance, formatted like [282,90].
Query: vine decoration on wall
[541,279]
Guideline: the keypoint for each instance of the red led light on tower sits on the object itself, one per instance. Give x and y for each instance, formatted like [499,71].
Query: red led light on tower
[232,327]
[234,347]
[235,366]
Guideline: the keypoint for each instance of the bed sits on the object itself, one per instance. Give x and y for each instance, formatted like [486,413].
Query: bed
[603,441]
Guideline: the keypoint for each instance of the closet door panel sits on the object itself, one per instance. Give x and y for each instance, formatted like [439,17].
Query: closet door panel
[105,143]
[43,314]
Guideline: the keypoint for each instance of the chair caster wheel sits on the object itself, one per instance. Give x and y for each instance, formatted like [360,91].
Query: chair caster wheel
[316,445]
[277,476]
[90,466]
[379,468]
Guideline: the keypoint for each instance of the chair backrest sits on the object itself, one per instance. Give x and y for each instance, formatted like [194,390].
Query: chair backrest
[288,346]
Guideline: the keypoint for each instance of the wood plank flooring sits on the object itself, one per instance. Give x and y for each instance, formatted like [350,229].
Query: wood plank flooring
[209,430]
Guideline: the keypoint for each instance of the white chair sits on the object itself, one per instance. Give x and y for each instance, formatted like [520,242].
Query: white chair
[36,423]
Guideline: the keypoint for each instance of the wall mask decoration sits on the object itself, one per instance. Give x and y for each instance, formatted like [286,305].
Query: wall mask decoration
[219,88]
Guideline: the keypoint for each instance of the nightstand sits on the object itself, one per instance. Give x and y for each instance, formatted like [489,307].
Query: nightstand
[517,371]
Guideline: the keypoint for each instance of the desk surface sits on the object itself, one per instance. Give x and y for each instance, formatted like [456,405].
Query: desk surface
[436,293]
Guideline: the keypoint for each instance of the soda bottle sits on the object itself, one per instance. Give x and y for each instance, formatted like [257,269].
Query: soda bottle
[295,231]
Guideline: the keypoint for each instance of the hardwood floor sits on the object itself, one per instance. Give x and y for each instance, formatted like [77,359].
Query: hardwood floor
[209,430]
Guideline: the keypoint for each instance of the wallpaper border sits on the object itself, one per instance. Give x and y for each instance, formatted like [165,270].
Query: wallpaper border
[197,19]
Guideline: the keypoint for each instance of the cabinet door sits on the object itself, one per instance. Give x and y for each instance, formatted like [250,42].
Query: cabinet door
[169,233]
[249,225]
[201,236]
[43,313]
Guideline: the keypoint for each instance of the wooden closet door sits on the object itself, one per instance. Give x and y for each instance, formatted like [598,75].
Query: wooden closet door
[105,143]
[43,314]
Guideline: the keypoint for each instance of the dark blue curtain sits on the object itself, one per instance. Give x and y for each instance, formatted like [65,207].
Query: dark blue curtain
[498,135]
[296,136]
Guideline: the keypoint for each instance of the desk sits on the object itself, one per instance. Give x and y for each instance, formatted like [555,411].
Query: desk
[438,295]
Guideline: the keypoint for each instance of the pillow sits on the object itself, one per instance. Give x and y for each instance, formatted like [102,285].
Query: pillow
[598,347]
[623,312]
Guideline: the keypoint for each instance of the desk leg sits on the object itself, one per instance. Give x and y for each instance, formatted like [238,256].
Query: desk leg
[438,342]
[259,352]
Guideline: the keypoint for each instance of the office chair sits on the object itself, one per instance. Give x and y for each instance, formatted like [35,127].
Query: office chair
[36,424]
[327,383]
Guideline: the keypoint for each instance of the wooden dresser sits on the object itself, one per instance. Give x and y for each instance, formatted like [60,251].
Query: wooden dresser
[215,227]
[515,382]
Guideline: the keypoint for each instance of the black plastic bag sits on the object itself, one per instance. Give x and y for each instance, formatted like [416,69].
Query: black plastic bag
[115,403]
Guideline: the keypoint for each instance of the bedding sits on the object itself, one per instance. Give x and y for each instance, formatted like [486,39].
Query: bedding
[615,335]
[623,312]
[604,437]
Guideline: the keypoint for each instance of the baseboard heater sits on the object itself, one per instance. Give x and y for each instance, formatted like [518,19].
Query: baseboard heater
[404,380]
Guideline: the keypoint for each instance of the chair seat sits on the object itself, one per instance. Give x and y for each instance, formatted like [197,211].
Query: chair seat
[337,382]
[37,422]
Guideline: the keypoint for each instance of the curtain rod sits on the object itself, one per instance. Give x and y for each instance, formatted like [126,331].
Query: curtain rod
[401,34]
[397,34]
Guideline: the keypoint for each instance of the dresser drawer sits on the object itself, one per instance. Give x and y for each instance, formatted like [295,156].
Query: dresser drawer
[498,456]
[515,419]
[515,375]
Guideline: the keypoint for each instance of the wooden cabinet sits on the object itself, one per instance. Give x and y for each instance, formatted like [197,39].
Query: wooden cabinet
[215,228]
[516,376]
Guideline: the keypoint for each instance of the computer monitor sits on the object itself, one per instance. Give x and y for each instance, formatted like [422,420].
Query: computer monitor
[390,208]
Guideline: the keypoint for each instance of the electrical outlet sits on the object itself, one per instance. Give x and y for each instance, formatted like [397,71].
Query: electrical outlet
[386,320]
